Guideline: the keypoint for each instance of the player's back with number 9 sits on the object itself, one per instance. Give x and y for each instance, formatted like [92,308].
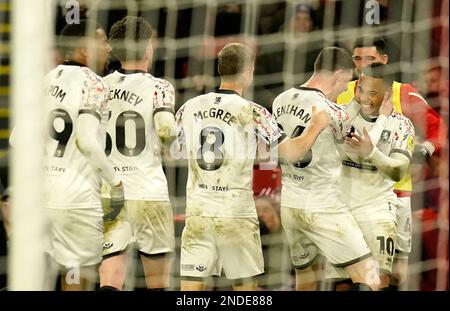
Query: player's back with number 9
[71,89]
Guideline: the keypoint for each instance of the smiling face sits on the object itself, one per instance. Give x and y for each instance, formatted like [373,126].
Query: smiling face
[369,94]
[364,56]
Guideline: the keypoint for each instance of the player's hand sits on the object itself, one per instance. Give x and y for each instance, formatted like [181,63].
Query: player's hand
[116,203]
[319,119]
[387,105]
[361,145]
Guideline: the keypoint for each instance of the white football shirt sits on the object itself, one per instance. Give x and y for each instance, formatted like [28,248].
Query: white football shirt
[361,182]
[132,144]
[312,182]
[219,131]
[71,182]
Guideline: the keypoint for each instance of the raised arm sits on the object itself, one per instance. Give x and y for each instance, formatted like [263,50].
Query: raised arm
[394,165]
[163,113]
[293,150]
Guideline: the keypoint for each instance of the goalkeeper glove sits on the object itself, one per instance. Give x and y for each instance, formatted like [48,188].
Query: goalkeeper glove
[421,155]
[116,203]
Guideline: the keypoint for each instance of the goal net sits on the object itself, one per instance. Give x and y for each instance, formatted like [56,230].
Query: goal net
[286,37]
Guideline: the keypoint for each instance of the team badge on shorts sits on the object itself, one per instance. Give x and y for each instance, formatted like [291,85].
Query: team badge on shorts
[200,268]
[385,136]
[107,245]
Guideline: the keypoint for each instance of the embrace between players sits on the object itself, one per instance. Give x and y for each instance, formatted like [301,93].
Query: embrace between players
[106,190]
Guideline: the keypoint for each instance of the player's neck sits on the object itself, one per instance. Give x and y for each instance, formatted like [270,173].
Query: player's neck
[143,66]
[232,86]
[369,117]
[76,57]
[318,82]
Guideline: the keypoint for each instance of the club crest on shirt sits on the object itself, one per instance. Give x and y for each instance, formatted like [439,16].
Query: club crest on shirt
[385,135]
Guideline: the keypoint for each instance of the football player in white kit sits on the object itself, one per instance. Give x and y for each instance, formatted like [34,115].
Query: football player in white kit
[75,162]
[372,166]
[313,214]
[141,118]
[219,132]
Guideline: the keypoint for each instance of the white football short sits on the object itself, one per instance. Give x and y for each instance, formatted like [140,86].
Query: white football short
[210,245]
[76,236]
[331,231]
[148,224]
[404,229]
[379,226]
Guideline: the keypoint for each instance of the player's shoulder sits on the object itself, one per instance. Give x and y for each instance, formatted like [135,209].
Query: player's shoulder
[310,92]
[160,83]
[283,94]
[112,75]
[400,119]
[259,110]
[300,93]
[406,87]
[92,79]
[192,103]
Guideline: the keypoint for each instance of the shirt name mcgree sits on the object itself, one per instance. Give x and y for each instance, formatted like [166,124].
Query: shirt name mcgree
[220,114]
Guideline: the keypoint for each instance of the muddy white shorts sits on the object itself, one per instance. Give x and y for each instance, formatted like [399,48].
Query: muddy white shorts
[331,231]
[148,224]
[379,226]
[210,245]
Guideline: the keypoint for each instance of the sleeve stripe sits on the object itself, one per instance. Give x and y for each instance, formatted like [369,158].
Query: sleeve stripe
[159,109]
[90,111]
[418,96]
[406,153]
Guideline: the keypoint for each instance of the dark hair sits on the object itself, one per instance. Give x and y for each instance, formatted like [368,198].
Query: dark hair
[140,31]
[380,71]
[234,58]
[332,59]
[369,41]
[69,34]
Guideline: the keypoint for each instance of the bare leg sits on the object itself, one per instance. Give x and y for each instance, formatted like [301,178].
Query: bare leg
[157,270]
[79,279]
[365,272]
[192,285]
[113,271]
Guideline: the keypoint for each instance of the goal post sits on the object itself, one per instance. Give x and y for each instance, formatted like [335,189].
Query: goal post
[31,50]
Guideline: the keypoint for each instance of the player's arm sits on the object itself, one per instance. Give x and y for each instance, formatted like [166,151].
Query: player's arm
[164,125]
[394,165]
[90,147]
[164,115]
[88,124]
[178,146]
[352,109]
[429,125]
[293,150]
